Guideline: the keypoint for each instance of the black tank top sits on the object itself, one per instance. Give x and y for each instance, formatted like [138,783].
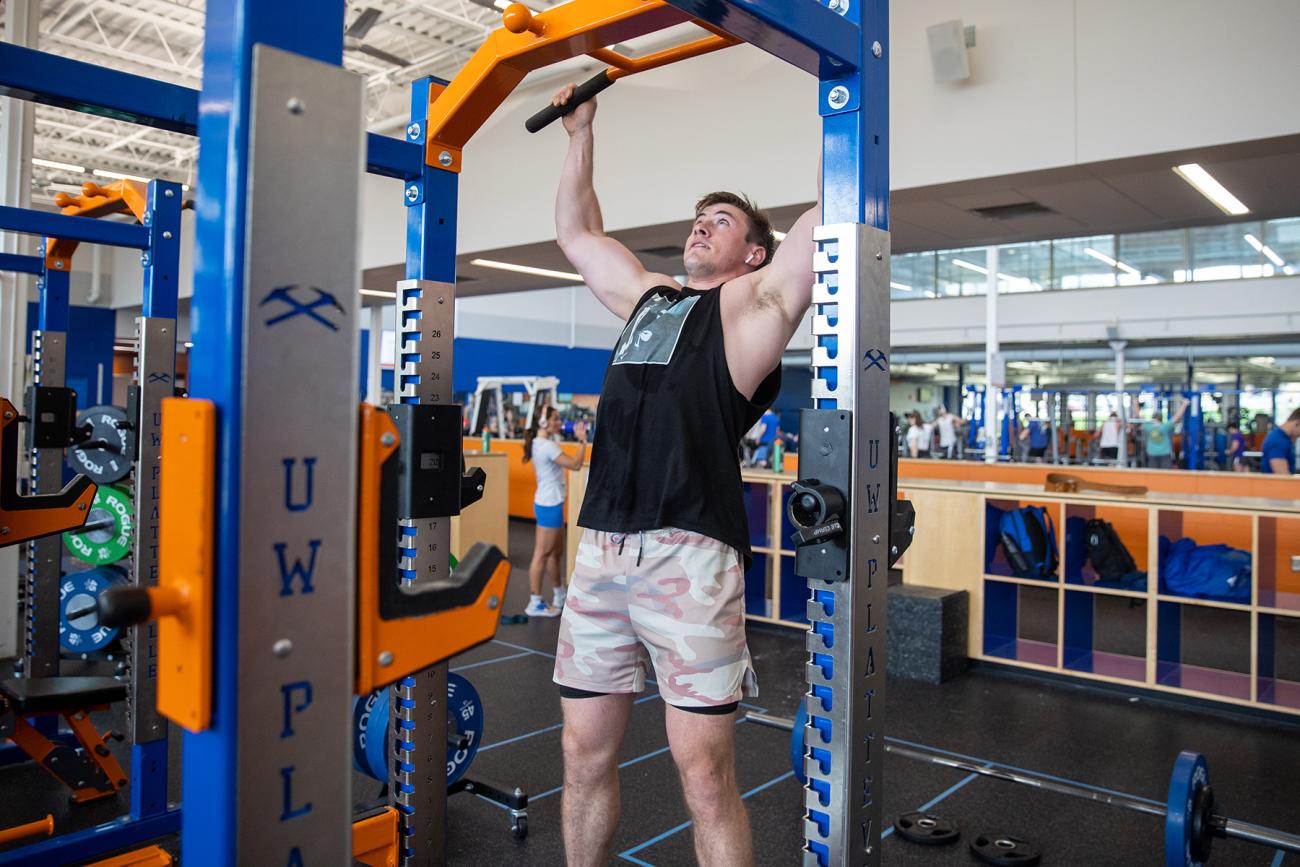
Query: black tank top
[669,424]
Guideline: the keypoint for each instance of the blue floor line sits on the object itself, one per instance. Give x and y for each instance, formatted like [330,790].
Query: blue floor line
[470,665]
[1046,776]
[933,802]
[521,647]
[1277,859]
[522,737]
[630,854]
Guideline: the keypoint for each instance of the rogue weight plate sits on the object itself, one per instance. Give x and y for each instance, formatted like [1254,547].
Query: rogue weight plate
[78,592]
[106,536]
[926,829]
[464,725]
[797,742]
[370,734]
[106,456]
[1005,850]
[371,727]
[1187,812]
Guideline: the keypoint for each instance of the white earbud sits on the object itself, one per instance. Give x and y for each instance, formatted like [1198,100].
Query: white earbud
[748,258]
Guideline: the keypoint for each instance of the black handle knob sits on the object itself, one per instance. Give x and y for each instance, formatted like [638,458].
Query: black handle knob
[583,92]
[124,606]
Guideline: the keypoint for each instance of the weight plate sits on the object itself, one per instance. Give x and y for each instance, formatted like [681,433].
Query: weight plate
[106,456]
[80,591]
[797,742]
[926,829]
[370,716]
[106,536]
[1182,829]
[1004,849]
[371,730]
[464,725]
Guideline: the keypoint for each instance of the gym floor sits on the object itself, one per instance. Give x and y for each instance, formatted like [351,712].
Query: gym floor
[1096,737]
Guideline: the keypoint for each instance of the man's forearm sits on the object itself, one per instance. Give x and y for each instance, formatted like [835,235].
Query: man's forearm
[577,210]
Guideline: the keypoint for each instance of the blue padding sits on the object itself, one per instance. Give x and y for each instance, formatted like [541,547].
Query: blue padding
[826,599]
[823,790]
[822,820]
[826,630]
[821,850]
[826,663]
[824,694]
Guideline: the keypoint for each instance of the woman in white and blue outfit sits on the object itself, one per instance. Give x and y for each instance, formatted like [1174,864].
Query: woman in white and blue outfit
[541,446]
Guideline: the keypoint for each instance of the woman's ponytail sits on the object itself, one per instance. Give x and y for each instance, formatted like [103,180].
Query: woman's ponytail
[531,434]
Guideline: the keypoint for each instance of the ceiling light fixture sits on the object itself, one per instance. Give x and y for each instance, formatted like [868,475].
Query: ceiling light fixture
[1261,247]
[971,266]
[378,293]
[527,269]
[1207,186]
[1114,263]
[104,173]
[901,287]
[780,236]
[55,164]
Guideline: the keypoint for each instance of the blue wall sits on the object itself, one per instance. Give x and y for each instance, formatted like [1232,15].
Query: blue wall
[581,371]
[90,352]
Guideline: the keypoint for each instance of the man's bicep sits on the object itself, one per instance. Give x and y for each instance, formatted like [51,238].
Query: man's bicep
[614,275]
[1279,466]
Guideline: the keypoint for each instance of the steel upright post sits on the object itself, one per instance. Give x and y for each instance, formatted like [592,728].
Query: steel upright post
[275,348]
[424,321]
[155,379]
[45,556]
[846,644]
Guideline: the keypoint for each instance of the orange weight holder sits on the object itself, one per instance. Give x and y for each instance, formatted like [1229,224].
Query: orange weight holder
[33,516]
[388,649]
[182,602]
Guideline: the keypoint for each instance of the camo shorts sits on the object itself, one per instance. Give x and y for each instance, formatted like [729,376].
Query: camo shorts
[672,597]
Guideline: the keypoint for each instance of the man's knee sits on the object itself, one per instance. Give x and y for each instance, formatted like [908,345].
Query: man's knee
[708,782]
[587,759]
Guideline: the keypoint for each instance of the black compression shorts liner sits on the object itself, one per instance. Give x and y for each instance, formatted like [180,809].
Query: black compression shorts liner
[718,710]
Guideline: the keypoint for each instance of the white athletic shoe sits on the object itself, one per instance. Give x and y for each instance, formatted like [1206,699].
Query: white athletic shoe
[558,601]
[538,608]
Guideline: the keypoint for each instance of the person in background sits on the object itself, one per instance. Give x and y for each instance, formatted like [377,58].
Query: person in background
[1109,434]
[1236,452]
[1034,434]
[1160,439]
[918,436]
[765,435]
[1278,453]
[541,446]
[947,427]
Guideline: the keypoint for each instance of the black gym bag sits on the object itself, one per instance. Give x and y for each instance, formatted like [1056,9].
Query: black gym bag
[1108,556]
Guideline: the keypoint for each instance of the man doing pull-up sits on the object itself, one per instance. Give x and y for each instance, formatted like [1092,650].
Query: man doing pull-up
[661,566]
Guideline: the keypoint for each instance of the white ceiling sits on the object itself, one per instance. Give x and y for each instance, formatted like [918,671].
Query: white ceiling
[163,39]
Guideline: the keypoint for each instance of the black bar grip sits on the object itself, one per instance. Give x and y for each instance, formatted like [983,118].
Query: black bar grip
[124,606]
[583,92]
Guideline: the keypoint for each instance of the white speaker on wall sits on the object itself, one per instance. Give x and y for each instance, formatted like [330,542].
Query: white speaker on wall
[948,43]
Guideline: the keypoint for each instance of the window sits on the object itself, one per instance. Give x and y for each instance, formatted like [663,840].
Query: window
[1225,252]
[1084,263]
[1152,257]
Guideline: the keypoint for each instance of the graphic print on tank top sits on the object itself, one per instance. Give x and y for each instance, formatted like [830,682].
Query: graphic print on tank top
[651,336]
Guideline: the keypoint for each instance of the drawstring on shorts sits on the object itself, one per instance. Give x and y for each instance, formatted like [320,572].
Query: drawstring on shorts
[622,540]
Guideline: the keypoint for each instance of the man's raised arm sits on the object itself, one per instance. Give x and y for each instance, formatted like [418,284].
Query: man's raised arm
[789,279]
[611,271]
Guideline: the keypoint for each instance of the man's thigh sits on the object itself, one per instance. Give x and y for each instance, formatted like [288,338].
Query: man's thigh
[687,606]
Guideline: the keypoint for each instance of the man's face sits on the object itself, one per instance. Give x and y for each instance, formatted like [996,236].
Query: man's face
[717,243]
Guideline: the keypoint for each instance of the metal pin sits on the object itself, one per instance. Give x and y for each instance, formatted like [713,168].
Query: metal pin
[282,648]
[294,105]
[444,159]
[386,658]
[387,439]
[493,602]
[877,49]
[167,236]
[167,193]
[875,540]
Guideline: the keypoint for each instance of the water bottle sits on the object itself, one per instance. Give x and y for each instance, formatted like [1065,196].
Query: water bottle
[778,455]
[487,440]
